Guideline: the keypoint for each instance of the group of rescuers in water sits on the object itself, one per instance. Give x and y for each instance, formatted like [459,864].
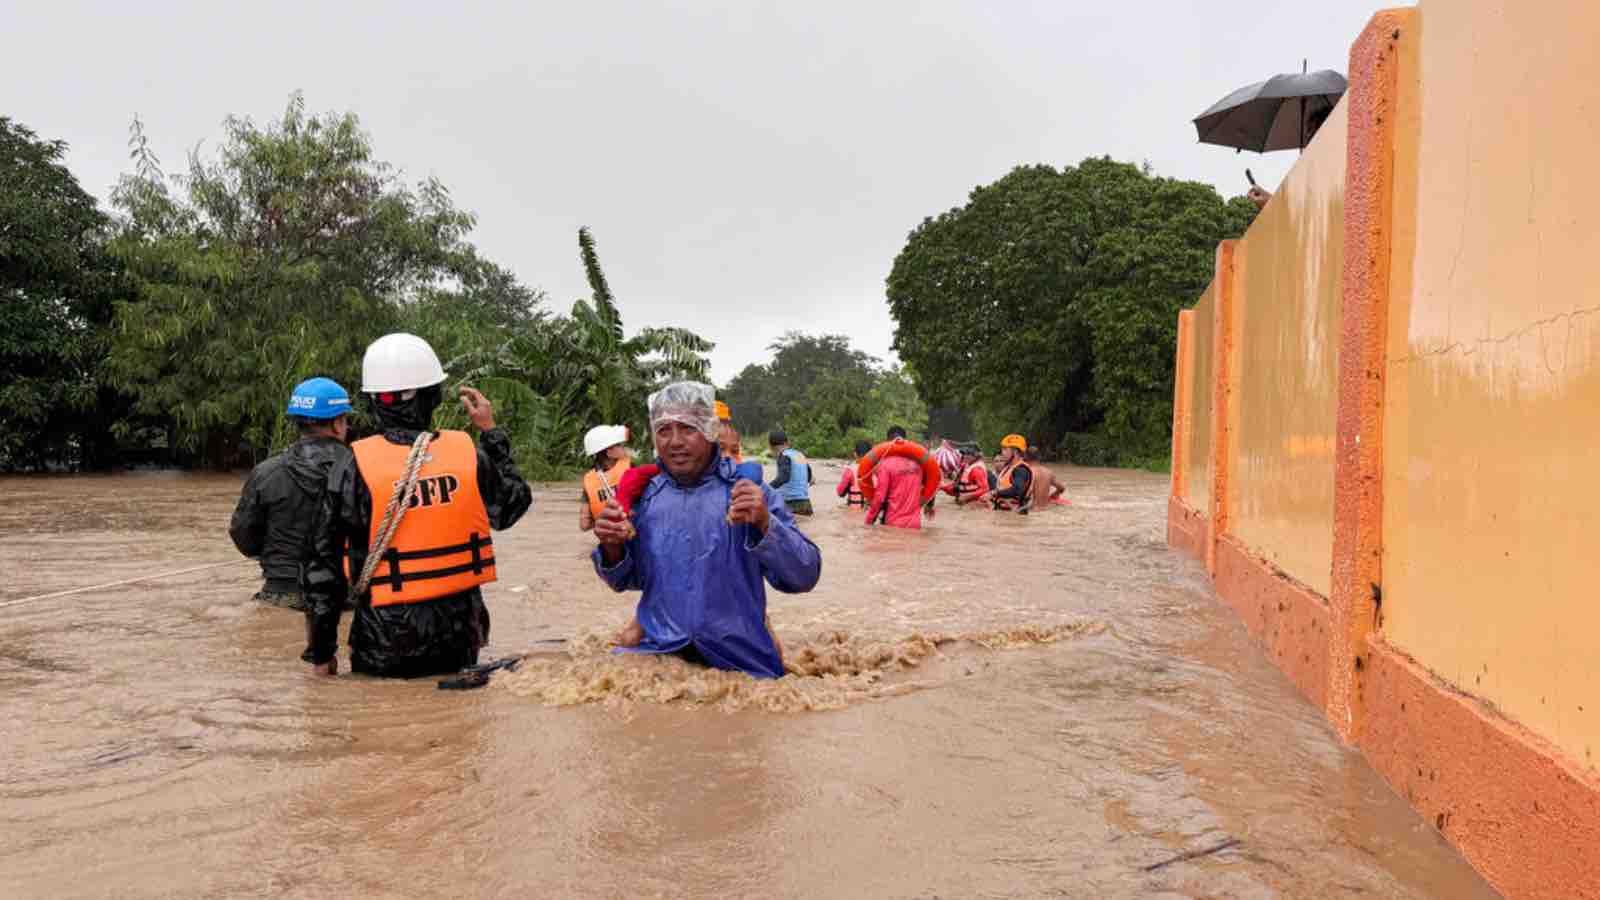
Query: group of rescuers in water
[700,532]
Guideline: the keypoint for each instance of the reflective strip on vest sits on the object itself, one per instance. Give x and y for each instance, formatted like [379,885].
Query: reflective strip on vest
[974,481]
[442,546]
[595,489]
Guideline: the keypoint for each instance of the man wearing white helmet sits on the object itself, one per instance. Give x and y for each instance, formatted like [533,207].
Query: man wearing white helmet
[423,613]
[607,449]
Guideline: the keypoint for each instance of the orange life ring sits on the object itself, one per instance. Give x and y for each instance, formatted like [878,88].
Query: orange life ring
[931,475]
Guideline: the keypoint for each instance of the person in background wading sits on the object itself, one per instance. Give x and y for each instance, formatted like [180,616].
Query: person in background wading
[849,485]
[896,489]
[610,459]
[971,482]
[423,613]
[1014,484]
[1047,487]
[795,475]
[279,503]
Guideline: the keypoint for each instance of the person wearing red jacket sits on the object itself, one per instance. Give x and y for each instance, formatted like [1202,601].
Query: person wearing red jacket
[897,490]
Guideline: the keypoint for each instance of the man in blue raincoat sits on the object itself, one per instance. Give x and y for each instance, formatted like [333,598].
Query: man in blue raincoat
[704,536]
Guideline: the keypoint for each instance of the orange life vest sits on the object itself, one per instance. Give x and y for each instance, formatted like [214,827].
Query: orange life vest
[1005,482]
[931,473]
[442,546]
[852,490]
[973,483]
[595,489]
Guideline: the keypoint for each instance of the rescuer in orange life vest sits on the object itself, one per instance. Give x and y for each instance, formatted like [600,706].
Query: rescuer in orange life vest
[426,615]
[1014,487]
[607,448]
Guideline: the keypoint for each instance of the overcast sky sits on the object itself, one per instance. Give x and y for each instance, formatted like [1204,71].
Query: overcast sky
[746,168]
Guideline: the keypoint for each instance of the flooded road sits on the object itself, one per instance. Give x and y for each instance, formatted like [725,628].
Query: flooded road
[1051,706]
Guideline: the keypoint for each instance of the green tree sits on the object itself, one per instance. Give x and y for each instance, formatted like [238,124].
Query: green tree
[277,258]
[484,305]
[1048,303]
[764,397]
[56,287]
[572,372]
[621,371]
[755,398]
[826,394]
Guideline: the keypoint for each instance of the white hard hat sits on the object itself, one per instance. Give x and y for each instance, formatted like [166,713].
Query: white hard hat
[399,362]
[604,437]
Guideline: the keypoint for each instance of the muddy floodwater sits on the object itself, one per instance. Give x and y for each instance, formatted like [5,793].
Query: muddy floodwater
[1051,706]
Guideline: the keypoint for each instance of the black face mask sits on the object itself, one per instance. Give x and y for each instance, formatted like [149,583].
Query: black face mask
[415,414]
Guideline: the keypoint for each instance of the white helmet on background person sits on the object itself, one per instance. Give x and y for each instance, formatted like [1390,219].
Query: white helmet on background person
[604,437]
[399,362]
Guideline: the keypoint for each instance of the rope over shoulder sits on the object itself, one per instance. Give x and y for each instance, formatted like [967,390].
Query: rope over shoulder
[399,502]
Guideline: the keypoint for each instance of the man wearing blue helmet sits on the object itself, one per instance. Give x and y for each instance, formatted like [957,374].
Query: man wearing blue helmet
[279,504]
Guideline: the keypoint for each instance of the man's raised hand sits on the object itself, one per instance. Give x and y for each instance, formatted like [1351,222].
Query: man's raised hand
[612,526]
[747,506]
[478,408]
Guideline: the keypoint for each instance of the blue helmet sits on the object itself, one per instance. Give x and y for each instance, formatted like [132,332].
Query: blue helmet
[318,398]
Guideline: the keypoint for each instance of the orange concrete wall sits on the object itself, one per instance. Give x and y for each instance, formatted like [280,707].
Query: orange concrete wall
[1491,492]
[1454,640]
[1182,377]
[1197,461]
[1287,278]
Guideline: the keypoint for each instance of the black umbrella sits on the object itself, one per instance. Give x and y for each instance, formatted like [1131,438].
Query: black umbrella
[1280,113]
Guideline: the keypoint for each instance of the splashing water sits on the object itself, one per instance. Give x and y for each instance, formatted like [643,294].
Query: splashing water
[829,671]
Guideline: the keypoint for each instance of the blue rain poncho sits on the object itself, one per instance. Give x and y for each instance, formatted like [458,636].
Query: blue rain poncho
[703,578]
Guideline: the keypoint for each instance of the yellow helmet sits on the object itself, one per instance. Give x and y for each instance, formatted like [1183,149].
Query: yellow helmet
[722,411]
[1016,441]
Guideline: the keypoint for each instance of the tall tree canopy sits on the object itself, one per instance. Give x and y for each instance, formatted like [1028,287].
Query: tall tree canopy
[55,305]
[1048,303]
[178,327]
[281,255]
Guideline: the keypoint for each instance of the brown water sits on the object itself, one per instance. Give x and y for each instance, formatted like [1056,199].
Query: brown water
[993,707]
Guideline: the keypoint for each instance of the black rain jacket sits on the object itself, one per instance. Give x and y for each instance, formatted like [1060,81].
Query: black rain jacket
[278,508]
[403,640]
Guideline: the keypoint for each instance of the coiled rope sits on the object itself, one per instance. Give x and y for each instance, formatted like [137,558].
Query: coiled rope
[399,502]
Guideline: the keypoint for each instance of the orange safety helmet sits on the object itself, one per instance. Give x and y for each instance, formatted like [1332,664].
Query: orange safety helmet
[722,411]
[1015,441]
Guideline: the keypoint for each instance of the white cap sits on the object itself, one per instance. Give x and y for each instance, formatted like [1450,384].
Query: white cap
[604,437]
[399,362]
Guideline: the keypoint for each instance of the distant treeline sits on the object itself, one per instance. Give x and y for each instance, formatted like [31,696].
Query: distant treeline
[169,326]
